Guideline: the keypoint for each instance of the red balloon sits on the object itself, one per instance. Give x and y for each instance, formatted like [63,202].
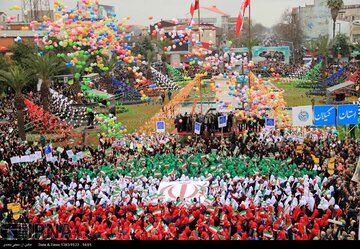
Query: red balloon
[3,49]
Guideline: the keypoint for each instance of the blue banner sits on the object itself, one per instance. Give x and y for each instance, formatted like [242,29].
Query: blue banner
[197,128]
[160,126]
[270,122]
[324,115]
[347,114]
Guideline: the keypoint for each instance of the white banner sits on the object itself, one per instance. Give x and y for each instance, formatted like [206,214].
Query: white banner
[187,190]
[302,115]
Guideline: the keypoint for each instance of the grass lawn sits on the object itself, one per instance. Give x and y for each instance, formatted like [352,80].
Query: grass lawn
[297,96]
[138,115]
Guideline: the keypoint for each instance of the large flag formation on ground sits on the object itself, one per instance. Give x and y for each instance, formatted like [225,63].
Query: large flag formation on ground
[137,197]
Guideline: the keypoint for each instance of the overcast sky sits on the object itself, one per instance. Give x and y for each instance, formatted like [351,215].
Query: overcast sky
[267,12]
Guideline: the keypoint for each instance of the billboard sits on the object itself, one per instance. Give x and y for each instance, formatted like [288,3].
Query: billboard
[324,115]
[105,11]
[280,54]
[347,114]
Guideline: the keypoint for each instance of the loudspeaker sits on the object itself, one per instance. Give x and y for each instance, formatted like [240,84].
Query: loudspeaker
[340,97]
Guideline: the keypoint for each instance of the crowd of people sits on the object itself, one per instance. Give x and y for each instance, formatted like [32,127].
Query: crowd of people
[210,123]
[258,183]
[260,188]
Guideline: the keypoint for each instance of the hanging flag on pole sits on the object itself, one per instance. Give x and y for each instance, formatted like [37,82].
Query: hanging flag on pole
[239,23]
[194,7]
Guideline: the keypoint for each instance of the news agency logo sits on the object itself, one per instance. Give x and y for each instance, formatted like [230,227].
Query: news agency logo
[25,231]
[303,116]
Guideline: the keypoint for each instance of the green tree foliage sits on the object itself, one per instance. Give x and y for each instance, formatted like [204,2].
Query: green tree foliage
[341,45]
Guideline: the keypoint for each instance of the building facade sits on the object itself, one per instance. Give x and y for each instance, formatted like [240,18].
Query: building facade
[315,20]
[351,15]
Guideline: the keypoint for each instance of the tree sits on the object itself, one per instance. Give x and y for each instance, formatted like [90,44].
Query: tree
[161,45]
[323,45]
[77,69]
[110,63]
[142,47]
[289,29]
[44,66]
[335,6]
[341,46]
[22,50]
[150,57]
[3,66]
[17,78]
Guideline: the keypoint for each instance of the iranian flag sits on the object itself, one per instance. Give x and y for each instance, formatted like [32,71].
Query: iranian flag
[157,174]
[140,212]
[173,172]
[191,218]
[2,204]
[183,166]
[36,213]
[149,228]
[242,213]
[214,184]
[139,177]
[268,234]
[157,212]
[288,226]
[222,217]
[289,160]
[203,157]
[214,229]
[52,206]
[47,220]
[194,164]
[166,228]
[211,209]
[178,203]
[208,178]
[70,217]
[55,215]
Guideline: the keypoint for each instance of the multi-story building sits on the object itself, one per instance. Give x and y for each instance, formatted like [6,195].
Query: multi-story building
[316,20]
[351,14]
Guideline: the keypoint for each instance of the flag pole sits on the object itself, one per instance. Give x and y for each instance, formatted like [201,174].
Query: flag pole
[199,20]
[249,43]
[201,101]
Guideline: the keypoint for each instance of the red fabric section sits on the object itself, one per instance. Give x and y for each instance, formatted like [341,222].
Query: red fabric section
[216,10]
[196,6]
[238,25]
[192,10]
